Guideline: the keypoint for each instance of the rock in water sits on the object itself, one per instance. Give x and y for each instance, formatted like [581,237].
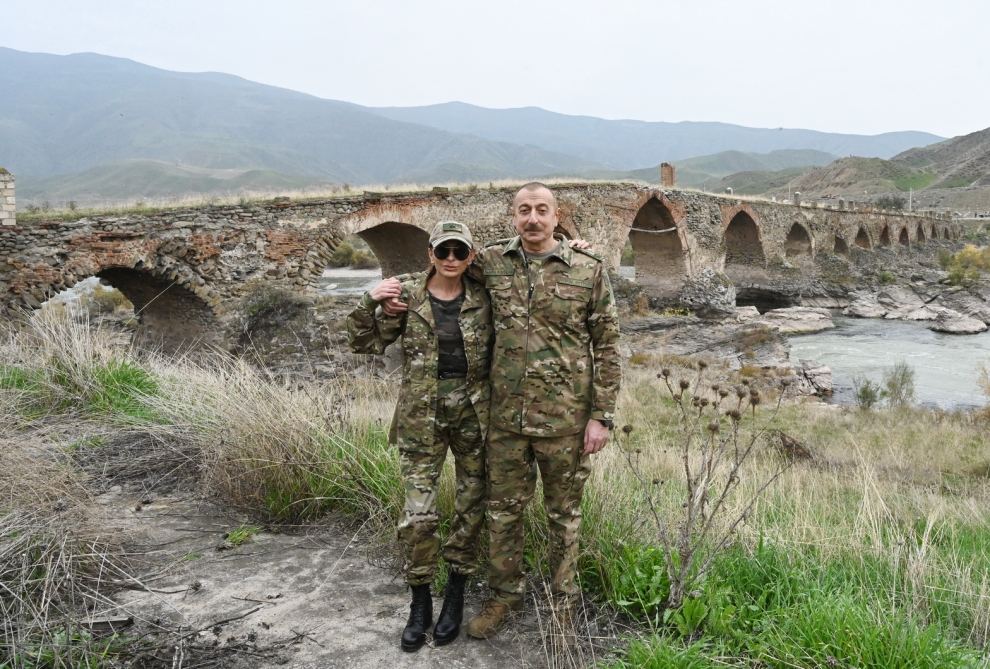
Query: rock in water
[953,322]
[799,320]
[817,375]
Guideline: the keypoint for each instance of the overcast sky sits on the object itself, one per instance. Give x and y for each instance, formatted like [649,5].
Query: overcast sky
[861,66]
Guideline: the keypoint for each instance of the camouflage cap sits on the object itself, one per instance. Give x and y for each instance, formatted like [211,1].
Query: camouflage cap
[447,230]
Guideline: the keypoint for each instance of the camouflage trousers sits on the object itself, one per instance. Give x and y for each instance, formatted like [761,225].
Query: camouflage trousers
[513,460]
[456,427]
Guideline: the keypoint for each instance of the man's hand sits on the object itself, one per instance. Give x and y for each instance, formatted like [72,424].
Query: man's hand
[387,289]
[595,436]
[582,244]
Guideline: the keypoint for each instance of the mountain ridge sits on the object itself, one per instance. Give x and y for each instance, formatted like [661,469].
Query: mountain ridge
[65,115]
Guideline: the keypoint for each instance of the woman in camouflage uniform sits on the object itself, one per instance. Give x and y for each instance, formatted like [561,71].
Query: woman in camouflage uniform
[447,337]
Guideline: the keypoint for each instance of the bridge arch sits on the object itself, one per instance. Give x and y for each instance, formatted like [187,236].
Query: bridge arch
[919,234]
[840,247]
[798,242]
[904,239]
[399,247]
[170,313]
[743,241]
[174,311]
[884,235]
[863,240]
[659,247]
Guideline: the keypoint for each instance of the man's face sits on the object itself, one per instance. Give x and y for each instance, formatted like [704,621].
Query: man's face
[534,216]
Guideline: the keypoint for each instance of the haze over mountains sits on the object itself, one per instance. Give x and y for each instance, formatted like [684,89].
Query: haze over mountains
[87,124]
[628,144]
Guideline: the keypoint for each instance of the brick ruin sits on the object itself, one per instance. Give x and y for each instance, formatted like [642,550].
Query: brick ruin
[188,271]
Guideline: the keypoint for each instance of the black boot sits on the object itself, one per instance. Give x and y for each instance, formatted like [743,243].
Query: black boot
[420,618]
[449,622]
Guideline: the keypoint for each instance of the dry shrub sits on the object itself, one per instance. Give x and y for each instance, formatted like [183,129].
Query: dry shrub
[290,453]
[54,567]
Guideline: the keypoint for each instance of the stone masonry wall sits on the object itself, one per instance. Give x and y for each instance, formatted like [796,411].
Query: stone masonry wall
[8,214]
[213,256]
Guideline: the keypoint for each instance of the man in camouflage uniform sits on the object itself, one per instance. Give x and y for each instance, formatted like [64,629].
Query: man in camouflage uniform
[555,376]
[443,401]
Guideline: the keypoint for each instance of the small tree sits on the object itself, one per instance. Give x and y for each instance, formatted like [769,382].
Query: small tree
[898,385]
[866,392]
[891,202]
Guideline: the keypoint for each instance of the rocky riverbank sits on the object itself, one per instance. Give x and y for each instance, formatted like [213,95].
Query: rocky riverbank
[952,309]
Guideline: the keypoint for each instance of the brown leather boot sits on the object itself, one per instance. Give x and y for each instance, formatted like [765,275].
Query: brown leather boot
[489,620]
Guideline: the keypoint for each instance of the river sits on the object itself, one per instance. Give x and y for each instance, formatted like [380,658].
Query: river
[946,366]
[348,281]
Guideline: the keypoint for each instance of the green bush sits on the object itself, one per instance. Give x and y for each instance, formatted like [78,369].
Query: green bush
[885,277]
[891,202]
[364,260]
[342,255]
[967,265]
[346,255]
[866,392]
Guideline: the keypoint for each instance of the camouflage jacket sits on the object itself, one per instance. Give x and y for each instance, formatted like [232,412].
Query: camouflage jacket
[556,362]
[370,331]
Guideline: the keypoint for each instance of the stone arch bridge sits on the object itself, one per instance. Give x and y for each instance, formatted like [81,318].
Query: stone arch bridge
[189,271]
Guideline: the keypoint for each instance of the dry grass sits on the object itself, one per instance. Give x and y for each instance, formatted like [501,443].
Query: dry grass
[903,489]
[906,487]
[56,564]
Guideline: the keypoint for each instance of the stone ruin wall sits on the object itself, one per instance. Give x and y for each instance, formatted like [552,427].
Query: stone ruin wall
[201,261]
[8,215]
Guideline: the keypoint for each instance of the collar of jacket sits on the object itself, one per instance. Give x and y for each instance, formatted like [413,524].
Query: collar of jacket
[563,250]
[421,296]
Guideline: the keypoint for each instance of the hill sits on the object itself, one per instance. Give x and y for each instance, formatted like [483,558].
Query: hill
[153,180]
[960,161]
[63,116]
[626,143]
[952,174]
[761,170]
[66,114]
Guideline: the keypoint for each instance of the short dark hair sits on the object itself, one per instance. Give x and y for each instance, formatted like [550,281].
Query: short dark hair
[535,185]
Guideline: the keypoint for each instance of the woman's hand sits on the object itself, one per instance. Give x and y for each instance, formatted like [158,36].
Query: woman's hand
[389,288]
[582,244]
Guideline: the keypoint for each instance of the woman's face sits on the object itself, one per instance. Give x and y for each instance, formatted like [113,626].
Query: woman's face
[451,258]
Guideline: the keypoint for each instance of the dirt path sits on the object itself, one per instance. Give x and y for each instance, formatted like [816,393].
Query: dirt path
[308,599]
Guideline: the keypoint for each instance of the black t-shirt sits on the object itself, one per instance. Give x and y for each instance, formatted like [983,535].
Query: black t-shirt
[451,359]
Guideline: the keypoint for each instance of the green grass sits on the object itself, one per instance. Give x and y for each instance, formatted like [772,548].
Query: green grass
[77,649]
[241,535]
[956,182]
[117,389]
[774,608]
[915,181]
[349,478]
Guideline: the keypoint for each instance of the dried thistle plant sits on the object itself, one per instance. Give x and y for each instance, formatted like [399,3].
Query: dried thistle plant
[718,433]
